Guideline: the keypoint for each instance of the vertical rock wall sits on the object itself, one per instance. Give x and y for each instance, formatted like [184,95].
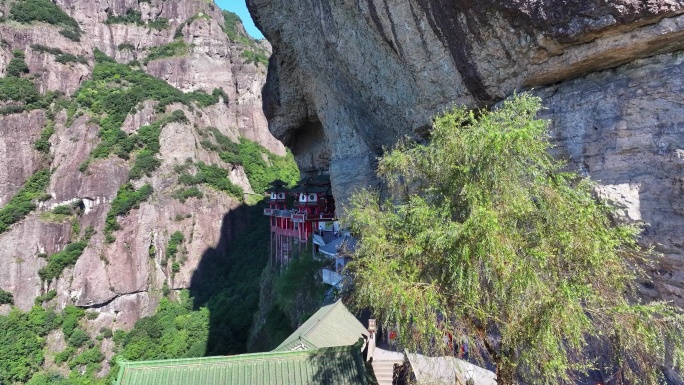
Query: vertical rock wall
[123,280]
[351,76]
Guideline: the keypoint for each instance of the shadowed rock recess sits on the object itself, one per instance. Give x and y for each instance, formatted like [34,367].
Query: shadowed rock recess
[350,77]
[132,120]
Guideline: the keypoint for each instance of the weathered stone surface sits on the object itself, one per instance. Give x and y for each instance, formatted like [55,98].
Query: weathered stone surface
[348,78]
[18,159]
[623,128]
[123,280]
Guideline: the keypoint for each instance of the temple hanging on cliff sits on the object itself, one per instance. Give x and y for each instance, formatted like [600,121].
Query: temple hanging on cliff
[298,214]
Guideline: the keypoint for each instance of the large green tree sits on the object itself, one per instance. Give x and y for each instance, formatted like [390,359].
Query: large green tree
[481,233]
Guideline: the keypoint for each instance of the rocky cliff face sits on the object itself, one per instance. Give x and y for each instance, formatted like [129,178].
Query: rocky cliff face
[350,77]
[121,271]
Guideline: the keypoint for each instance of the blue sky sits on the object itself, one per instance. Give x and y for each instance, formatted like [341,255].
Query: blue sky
[239,7]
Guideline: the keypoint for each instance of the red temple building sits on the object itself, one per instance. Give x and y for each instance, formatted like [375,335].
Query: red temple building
[299,213]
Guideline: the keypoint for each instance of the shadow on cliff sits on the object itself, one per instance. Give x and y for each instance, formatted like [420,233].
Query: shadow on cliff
[227,279]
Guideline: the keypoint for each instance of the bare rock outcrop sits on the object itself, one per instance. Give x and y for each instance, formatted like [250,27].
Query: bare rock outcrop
[123,278]
[351,77]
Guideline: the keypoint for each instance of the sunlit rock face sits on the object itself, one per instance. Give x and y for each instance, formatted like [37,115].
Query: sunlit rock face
[349,78]
[123,280]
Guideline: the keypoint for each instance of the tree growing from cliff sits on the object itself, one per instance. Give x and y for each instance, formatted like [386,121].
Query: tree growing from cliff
[483,235]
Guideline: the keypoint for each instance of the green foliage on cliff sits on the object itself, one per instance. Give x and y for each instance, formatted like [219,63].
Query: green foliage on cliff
[67,257]
[23,202]
[252,52]
[175,241]
[22,338]
[212,175]
[127,198]
[29,11]
[174,49]
[174,331]
[261,172]
[23,348]
[256,56]
[147,139]
[261,166]
[230,27]
[126,47]
[60,56]
[17,66]
[6,298]
[18,90]
[133,16]
[483,231]
[66,58]
[46,49]
[300,288]
[172,249]
[113,93]
[183,194]
[43,143]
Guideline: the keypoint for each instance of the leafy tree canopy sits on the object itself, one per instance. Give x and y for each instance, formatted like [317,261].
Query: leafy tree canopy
[483,235]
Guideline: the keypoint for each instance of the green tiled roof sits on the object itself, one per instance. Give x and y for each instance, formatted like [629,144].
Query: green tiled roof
[339,365]
[331,325]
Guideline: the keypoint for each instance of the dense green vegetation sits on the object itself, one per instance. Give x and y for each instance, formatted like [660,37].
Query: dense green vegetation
[483,230]
[6,298]
[67,257]
[261,172]
[60,56]
[175,331]
[18,90]
[66,58]
[252,53]
[256,56]
[133,16]
[17,66]
[231,22]
[175,241]
[147,139]
[251,155]
[21,91]
[300,289]
[214,176]
[127,198]
[22,343]
[126,47]
[22,338]
[183,194]
[46,49]
[29,11]
[23,202]
[114,91]
[174,49]
[43,143]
